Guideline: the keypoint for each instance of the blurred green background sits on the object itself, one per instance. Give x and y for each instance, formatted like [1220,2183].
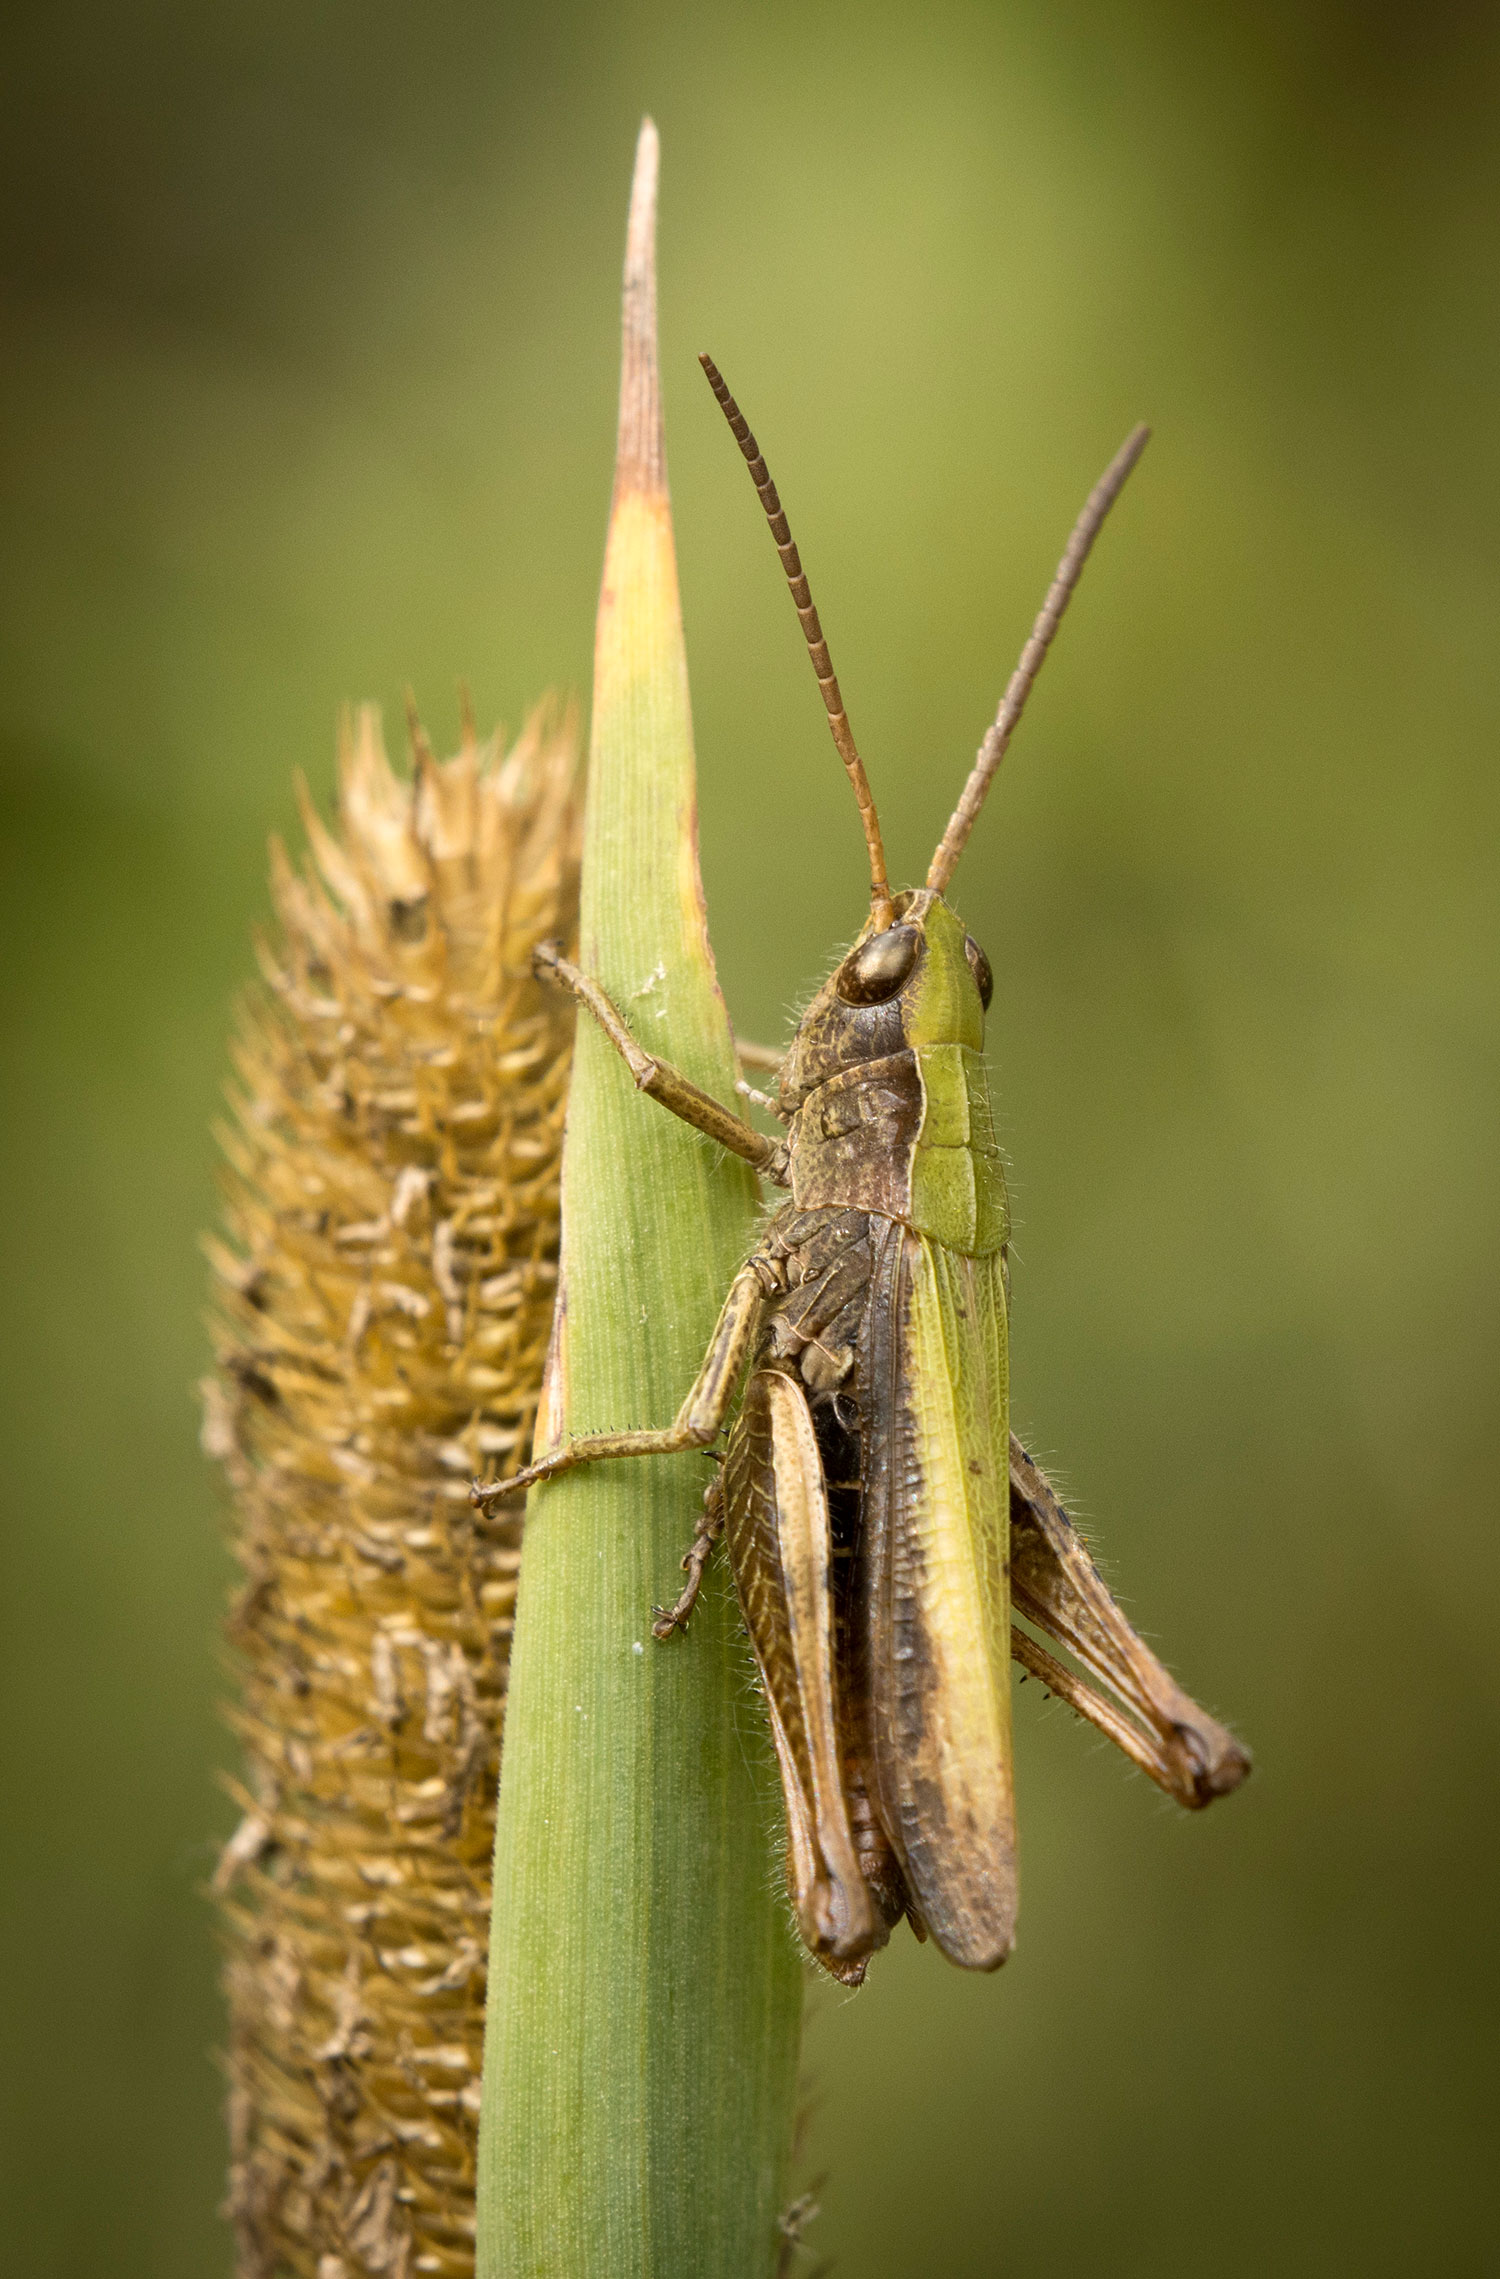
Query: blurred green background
[306,390]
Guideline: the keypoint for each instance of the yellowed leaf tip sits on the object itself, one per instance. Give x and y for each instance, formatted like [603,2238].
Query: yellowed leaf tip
[641,451]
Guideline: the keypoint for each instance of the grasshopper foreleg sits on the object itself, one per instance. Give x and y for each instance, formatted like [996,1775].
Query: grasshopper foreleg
[659,1080]
[700,1418]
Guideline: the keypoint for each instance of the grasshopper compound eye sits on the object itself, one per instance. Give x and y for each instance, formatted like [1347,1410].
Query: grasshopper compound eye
[979,966]
[878,967]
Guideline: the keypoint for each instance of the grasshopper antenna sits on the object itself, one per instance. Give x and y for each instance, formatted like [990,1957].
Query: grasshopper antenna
[992,751]
[882,910]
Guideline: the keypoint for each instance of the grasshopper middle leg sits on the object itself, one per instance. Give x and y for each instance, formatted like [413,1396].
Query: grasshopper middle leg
[700,1418]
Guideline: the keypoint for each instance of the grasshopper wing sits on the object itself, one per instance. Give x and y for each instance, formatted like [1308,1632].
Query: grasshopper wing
[780,1546]
[932,1589]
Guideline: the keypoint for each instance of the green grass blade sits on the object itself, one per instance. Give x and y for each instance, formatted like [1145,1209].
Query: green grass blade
[644,1994]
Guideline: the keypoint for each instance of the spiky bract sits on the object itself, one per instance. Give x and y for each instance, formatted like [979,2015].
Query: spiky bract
[382,1314]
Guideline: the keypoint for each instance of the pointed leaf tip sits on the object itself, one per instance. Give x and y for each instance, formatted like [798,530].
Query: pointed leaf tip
[641,452]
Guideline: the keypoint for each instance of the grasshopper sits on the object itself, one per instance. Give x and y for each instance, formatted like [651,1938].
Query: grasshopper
[881,1520]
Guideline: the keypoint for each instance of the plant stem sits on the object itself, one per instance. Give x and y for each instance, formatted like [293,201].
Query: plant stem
[644,1994]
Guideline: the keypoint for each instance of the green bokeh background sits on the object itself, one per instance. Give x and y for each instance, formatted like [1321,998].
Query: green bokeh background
[306,391]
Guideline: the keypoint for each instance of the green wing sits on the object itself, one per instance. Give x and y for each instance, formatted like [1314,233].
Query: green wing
[934,1587]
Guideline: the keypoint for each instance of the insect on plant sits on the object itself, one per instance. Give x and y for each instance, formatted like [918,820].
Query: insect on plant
[882,1522]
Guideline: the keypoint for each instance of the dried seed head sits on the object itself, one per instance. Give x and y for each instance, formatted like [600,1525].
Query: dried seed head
[381,1319]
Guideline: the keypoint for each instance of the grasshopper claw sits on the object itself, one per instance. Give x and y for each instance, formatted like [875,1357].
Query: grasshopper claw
[483,1493]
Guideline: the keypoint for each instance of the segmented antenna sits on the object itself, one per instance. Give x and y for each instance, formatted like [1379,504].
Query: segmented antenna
[992,751]
[882,909]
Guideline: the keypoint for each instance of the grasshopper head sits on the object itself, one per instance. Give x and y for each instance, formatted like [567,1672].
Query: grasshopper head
[920,981]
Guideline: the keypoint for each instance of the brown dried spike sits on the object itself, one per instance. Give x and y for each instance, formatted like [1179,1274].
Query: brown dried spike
[381,1317]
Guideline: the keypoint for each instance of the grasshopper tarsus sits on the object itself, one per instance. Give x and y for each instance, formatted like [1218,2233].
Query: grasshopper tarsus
[485,1493]
[669,1620]
[693,1562]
